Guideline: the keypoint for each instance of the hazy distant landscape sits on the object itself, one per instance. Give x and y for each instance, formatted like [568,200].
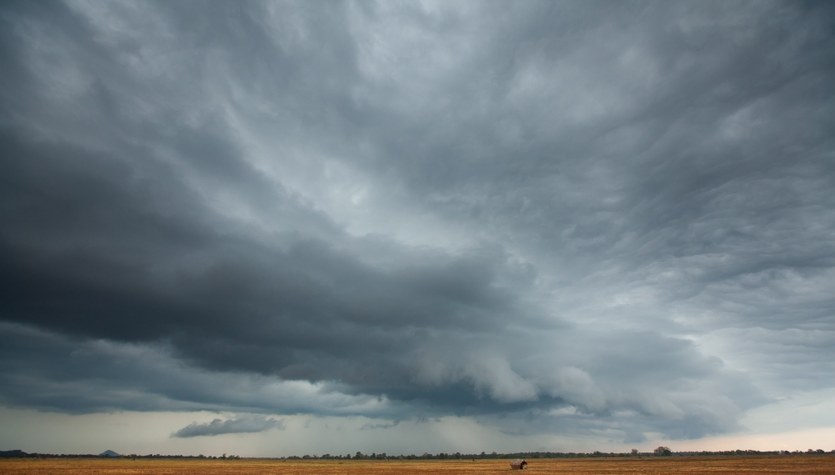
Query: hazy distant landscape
[658,452]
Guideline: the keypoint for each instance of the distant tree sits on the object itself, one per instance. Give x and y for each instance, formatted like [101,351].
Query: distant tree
[634,451]
[663,451]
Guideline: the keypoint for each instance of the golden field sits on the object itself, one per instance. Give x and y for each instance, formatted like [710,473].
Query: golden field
[806,464]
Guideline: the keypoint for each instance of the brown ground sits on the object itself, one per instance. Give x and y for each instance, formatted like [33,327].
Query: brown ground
[806,464]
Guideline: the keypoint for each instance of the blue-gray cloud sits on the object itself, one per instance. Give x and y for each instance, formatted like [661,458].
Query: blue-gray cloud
[565,212]
[240,425]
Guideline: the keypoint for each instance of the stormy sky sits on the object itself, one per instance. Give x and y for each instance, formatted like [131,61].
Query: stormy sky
[320,227]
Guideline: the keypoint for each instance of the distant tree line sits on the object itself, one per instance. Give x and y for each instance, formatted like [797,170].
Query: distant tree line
[22,454]
[660,451]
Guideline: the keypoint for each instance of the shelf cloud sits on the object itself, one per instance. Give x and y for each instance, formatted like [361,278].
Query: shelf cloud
[612,220]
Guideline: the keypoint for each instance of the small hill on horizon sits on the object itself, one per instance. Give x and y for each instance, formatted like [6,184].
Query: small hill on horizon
[109,453]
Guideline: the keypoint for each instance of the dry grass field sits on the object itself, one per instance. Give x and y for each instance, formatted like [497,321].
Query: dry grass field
[586,466]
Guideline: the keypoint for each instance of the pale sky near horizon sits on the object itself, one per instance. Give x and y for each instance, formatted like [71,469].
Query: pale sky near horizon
[274,228]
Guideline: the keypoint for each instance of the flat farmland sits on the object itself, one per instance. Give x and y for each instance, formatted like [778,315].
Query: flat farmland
[805,464]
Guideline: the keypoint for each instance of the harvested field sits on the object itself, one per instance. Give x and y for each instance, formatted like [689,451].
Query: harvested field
[667,465]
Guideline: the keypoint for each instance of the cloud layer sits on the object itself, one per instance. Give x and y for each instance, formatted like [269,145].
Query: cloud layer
[614,217]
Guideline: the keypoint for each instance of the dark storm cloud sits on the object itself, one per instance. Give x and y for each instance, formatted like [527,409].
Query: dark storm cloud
[229,426]
[141,276]
[53,372]
[264,194]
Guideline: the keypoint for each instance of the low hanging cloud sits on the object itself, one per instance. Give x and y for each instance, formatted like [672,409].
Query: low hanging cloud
[240,425]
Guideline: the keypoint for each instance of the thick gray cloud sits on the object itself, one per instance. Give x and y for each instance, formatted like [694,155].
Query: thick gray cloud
[615,215]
